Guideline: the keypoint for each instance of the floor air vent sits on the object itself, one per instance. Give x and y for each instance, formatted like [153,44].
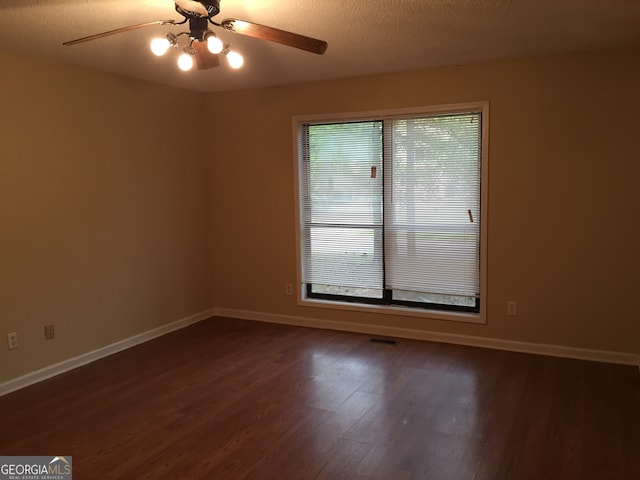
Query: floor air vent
[383,340]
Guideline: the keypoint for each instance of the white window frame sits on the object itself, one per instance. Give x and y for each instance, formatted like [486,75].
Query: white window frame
[470,317]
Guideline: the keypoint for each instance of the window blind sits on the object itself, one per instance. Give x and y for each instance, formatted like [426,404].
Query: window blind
[432,214]
[342,207]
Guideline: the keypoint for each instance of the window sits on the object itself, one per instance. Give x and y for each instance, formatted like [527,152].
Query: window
[390,209]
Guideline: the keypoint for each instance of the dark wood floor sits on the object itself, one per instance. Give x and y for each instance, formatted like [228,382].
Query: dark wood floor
[230,399]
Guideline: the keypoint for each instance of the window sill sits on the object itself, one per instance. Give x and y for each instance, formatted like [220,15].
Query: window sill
[465,317]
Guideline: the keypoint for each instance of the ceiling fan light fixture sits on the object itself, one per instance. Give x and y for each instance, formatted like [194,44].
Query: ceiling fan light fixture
[234,58]
[185,61]
[214,44]
[199,13]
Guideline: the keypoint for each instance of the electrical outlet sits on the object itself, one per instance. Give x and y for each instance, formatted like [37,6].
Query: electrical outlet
[512,308]
[288,289]
[49,332]
[12,340]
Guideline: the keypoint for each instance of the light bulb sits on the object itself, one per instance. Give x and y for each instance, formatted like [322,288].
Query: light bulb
[185,62]
[235,59]
[214,44]
[159,46]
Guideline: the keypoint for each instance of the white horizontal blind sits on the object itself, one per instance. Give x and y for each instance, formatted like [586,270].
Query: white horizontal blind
[432,207]
[341,208]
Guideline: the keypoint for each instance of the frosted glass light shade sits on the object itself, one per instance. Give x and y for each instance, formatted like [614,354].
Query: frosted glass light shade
[159,46]
[185,62]
[235,59]
[214,44]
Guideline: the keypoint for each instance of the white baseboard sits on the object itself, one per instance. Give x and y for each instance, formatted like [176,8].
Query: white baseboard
[494,343]
[75,362]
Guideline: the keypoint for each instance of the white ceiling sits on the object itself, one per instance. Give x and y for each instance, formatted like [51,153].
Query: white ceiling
[364,36]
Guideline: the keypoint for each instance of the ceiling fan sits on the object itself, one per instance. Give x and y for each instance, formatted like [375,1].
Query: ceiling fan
[203,46]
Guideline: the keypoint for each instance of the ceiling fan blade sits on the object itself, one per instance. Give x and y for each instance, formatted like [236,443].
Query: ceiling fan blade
[192,6]
[204,58]
[263,32]
[118,30]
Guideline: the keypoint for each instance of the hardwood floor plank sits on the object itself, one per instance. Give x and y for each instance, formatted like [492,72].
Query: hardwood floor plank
[234,399]
[627,386]
[604,455]
[343,460]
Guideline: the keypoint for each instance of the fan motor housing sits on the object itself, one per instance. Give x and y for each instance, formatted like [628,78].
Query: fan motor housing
[198,27]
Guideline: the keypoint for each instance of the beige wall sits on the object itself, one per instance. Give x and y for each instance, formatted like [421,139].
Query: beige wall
[110,226]
[103,210]
[563,203]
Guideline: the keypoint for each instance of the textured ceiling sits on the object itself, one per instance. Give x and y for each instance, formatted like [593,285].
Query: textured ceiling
[364,36]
